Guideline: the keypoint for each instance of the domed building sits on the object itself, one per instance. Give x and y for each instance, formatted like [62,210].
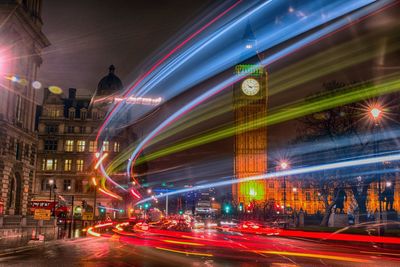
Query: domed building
[109,84]
[67,130]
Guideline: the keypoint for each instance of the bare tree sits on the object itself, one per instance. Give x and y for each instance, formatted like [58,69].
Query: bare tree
[343,135]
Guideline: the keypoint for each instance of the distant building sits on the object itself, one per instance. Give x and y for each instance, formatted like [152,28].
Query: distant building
[21,42]
[67,130]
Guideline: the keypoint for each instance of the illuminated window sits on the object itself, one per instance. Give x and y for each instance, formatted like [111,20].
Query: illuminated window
[69,145]
[296,195]
[43,164]
[92,146]
[106,146]
[79,165]
[308,196]
[54,113]
[81,146]
[50,164]
[271,185]
[116,147]
[67,164]
[18,111]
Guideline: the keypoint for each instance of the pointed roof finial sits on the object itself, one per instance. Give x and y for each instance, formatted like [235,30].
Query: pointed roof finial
[248,33]
[111,69]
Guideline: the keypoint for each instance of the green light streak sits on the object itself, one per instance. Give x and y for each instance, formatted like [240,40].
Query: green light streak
[323,63]
[289,113]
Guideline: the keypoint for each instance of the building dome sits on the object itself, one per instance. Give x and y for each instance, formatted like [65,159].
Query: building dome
[109,84]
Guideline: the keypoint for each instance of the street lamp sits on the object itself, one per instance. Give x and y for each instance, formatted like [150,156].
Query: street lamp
[376,113]
[51,182]
[284,165]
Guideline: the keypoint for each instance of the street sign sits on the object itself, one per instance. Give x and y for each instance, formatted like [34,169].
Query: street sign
[41,214]
[87,216]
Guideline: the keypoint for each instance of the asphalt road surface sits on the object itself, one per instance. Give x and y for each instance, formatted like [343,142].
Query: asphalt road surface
[117,250]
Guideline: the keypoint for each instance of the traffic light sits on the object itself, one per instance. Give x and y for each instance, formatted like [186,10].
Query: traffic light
[180,212]
[146,206]
[227,208]
[241,206]
[121,210]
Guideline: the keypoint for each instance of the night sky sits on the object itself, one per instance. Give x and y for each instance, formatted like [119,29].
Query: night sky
[87,36]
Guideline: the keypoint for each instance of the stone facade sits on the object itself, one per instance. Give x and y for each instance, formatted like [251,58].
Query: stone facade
[67,147]
[21,42]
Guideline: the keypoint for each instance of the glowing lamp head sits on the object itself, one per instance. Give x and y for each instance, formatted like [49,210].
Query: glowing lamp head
[249,46]
[284,165]
[36,85]
[51,181]
[376,112]
[294,189]
[149,191]
[388,184]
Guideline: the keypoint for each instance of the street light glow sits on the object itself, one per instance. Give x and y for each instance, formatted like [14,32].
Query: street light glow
[284,165]
[376,113]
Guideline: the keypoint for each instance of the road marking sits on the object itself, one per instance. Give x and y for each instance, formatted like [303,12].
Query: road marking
[185,252]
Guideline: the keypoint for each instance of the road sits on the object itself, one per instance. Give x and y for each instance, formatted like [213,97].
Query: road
[243,250]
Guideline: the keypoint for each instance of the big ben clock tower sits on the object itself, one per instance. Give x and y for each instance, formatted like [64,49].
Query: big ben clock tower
[250,146]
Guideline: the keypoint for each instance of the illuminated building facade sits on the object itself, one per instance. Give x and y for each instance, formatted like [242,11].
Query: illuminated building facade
[67,129]
[21,42]
[250,146]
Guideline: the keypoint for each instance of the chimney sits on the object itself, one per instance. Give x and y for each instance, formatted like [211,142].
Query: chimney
[46,94]
[71,93]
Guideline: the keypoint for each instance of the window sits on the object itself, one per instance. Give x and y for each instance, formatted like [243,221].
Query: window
[54,113]
[271,185]
[106,146]
[79,165]
[51,129]
[71,113]
[49,164]
[45,186]
[18,150]
[70,129]
[67,164]
[78,186]
[83,114]
[116,147]
[81,146]
[92,146]
[296,195]
[69,145]
[308,196]
[18,111]
[82,129]
[67,185]
[50,145]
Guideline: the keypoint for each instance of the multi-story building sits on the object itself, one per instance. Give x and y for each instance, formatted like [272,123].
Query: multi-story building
[67,130]
[21,42]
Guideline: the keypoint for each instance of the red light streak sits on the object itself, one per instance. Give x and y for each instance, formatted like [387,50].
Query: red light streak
[134,193]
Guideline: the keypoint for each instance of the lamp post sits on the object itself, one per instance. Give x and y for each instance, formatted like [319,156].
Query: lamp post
[54,202]
[51,182]
[95,196]
[284,165]
[376,113]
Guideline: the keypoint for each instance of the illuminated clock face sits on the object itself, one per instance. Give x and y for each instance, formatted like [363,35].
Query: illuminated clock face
[250,87]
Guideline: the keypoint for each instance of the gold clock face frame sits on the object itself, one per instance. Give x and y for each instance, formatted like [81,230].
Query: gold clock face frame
[250,87]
